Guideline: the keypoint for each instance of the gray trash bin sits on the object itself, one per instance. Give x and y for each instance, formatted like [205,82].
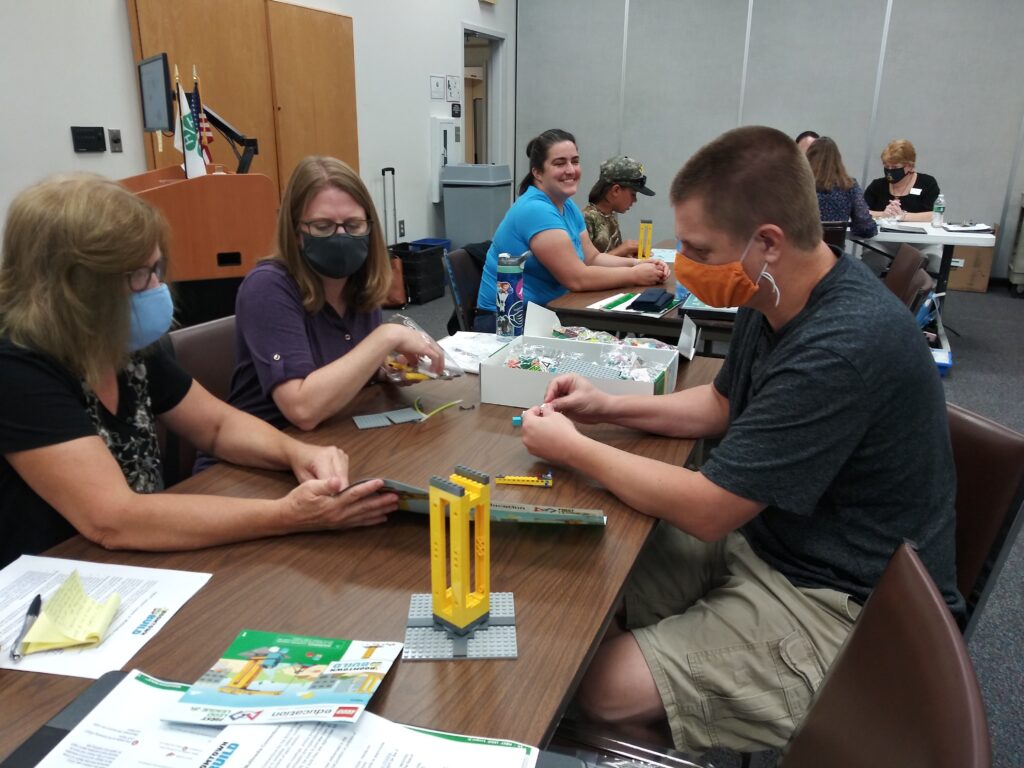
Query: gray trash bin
[476,198]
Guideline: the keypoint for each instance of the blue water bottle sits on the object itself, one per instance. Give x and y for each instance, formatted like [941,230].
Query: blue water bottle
[509,298]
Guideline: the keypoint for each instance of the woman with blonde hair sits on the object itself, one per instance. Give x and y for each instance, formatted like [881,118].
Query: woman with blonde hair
[902,193]
[309,332]
[839,195]
[82,301]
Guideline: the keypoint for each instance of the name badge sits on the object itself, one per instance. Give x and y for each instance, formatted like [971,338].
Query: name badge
[915,191]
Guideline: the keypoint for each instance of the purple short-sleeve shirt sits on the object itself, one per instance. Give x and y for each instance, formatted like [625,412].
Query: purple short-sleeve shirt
[277,339]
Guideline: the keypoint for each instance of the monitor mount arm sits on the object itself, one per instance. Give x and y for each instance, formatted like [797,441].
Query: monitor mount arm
[250,146]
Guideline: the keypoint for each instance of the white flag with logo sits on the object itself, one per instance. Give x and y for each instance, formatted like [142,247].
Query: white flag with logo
[186,138]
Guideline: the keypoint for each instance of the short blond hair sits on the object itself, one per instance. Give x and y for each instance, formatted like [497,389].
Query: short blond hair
[752,176]
[899,152]
[366,289]
[68,243]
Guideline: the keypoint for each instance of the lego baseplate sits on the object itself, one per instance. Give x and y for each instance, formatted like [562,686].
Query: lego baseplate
[424,641]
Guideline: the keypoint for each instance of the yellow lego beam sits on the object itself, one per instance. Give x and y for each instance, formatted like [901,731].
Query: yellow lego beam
[543,481]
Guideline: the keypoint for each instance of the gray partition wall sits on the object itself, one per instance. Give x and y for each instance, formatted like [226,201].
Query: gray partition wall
[657,78]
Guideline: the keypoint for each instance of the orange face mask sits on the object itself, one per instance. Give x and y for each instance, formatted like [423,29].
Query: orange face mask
[717,285]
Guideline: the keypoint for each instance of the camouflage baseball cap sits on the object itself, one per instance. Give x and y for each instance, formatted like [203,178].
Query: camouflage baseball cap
[626,172]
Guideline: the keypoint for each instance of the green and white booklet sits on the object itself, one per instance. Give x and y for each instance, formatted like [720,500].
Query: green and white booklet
[277,677]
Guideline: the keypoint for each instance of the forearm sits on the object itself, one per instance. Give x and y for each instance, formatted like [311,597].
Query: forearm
[613,259]
[692,413]
[598,278]
[251,442]
[657,489]
[624,249]
[327,390]
[923,216]
[167,521]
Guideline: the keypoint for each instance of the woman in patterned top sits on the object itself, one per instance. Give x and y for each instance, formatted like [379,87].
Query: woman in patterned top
[839,195]
[82,301]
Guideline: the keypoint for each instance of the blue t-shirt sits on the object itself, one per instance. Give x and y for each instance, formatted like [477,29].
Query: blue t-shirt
[532,213]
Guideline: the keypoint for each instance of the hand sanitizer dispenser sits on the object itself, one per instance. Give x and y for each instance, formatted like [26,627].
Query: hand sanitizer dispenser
[445,148]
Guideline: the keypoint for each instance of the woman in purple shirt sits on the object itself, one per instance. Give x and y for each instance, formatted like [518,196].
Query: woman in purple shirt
[309,332]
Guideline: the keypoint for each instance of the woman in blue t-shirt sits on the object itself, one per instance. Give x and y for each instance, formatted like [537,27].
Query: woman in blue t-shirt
[545,224]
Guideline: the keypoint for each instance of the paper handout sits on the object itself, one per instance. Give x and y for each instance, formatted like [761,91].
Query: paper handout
[71,618]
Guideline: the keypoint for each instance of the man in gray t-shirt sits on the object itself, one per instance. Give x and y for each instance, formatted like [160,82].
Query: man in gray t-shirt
[834,450]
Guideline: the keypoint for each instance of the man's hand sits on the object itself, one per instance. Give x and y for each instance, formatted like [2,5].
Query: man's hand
[576,397]
[326,505]
[549,435]
[319,462]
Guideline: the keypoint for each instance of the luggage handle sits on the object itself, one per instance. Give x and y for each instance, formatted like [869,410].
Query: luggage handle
[394,203]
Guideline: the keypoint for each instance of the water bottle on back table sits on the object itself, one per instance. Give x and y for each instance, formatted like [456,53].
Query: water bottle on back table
[939,211]
[509,298]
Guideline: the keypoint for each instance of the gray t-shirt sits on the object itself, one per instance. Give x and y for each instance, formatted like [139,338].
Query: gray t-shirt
[838,423]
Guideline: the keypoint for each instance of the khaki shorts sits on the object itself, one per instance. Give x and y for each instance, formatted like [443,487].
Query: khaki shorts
[735,649]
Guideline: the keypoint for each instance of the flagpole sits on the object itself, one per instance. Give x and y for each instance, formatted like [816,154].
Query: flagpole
[181,117]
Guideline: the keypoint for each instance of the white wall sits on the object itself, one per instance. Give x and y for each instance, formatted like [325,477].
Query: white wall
[65,64]
[71,63]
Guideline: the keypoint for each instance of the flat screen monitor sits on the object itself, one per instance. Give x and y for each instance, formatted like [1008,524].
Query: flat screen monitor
[157,97]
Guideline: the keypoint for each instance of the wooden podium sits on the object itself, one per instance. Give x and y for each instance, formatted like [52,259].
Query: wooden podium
[220,223]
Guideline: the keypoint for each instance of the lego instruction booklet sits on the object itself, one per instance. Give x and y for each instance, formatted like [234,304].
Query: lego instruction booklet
[268,677]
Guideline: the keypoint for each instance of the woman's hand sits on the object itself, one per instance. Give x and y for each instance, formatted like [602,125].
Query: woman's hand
[319,462]
[893,210]
[649,272]
[327,505]
[413,345]
[574,396]
[549,435]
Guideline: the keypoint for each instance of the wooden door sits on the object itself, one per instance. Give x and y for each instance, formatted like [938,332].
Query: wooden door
[227,41]
[313,63]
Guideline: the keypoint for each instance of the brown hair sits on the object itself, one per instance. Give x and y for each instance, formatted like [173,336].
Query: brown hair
[752,176]
[366,289]
[68,243]
[899,152]
[537,151]
[827,165]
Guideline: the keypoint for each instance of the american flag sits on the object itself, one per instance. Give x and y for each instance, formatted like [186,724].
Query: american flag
[204,128]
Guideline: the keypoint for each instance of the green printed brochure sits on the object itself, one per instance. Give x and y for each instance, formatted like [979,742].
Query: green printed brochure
[268,677]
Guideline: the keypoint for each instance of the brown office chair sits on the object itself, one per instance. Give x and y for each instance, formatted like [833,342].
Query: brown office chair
[834,233]
[902,690]
[463,275]
[989,497]
[904,267]
[919,286]
[207,353]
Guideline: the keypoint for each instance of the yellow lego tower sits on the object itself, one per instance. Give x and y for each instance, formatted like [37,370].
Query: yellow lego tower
[463,606]
[646,236]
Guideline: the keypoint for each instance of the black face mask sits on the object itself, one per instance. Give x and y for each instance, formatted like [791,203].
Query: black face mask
[337,256]
[893,175]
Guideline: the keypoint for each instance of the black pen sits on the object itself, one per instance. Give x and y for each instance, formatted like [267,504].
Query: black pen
[30,618]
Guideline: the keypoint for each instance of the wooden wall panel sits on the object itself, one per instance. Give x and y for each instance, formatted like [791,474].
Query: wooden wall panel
[313,64]
[227,41]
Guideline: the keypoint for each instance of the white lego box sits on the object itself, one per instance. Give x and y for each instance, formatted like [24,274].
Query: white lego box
[523,389]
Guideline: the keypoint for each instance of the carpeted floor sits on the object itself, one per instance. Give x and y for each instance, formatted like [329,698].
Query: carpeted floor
[986,333]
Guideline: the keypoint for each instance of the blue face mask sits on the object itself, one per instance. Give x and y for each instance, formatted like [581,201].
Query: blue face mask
[152,312]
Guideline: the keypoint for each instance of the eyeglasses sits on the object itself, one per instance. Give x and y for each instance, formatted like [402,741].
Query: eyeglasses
[326,227]
[139,279]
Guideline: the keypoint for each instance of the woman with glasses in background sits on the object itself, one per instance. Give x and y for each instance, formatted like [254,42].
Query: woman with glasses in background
[82,303]
[308,318]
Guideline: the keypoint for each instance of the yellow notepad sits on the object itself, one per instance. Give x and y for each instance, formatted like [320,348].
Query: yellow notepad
[70,618]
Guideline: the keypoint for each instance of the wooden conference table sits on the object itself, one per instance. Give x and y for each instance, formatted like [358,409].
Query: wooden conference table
[357,584]
[572,309]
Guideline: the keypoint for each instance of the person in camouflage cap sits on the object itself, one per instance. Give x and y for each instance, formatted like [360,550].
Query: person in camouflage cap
[615,192]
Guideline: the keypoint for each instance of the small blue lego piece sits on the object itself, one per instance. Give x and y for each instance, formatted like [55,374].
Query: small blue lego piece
[517,421]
